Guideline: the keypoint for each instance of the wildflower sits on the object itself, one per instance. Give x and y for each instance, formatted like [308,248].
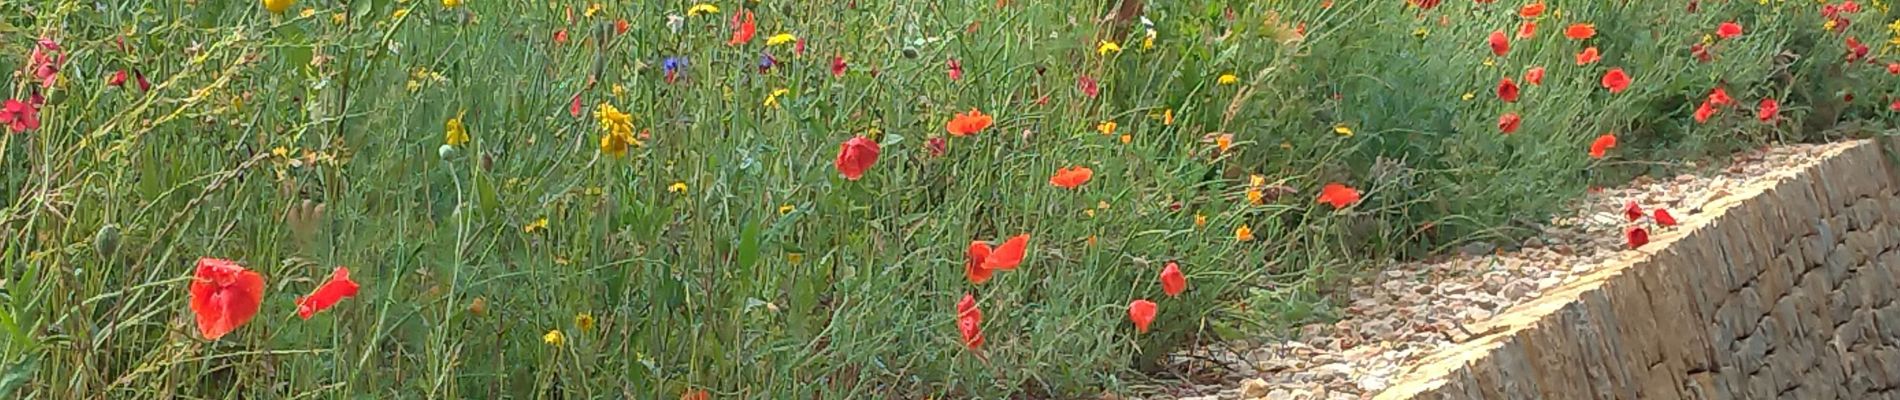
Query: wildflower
[1167,117]
[1071,177]
[970,321]
[1338,195]
[1616,80]
[780,39]
[1602,145]
[478,306]
[336,289]
[539,225]
[1704,112]
[855,156]
[1632,211]
[1009,255]
[1224,141]
[1728,30]
[1087,86]
[1342,129]
[973,262]
[838,67]
[967,124]
[584,321]
[1172,282]
[743,27]
[1701,53]
[677,187]
[1142,313]
[1241,234]
[277,6]
[1636,236]
[1107,47]
[454,134]
[1499,43]
[19,116]
[118,79]
[574,105]
[593,9]
[1588,56]
[554,338]
[451,3]
[1580,31]
[955,69]
[1719,97]
[937,146]
[1148,39]
[1507,90]
[1663,218]
[701,9]
[560,36]
[1200,220]
[617,130]
[1509,122]
[1106,127]
[1228,79]
[1531,10]
[1767,109]
[672,66]
[1535,76]
[786,209]
[224,296]
[1894,67]
[1856,50]
[771,100]
[698,394]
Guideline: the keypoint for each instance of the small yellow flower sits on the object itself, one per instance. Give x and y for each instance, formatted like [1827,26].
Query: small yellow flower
[400,12]
[451,3]
[307,13]
[1467,96]
[1420,32]
[1126,138]
[277,6]
[1167,117]
[592,10]
[1828,26]
[280,152]
[677,187]
[786,209]
[1091,240]
[620,92]
[702,8]
[1148,40]
[1256,197]
[454,134]
[584,321]
[338,18]
[771,101]
[536,226]
[1089,212]
[1107,47]
[1243,233]
[1256,181]
[779,39]
[1200,220]
[554,338]
[1229,79]
[1490,62]
[1106,128]
[1342,130]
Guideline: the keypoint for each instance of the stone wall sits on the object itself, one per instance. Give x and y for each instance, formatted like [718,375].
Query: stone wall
[1785,289]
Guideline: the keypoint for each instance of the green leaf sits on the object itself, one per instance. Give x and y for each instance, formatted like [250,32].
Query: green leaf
[18,374]
[749,245]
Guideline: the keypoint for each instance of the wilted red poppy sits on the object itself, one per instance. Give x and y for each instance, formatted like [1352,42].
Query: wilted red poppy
[967,124]
[1507,90]
[1535,76]
[338,287]
[1703,112]
[1728,30]
[1636,236]
[224,296]
[1508,123]
[1580,31]
[1719,97]
[1616,80]
[970,322]
[1499,44]
[1855,49]
[1338,195]
[1602,145]
[1142,313]
[1663,218]
[1767,110]
[1526,30]
[118,79]
[1087,86]
[1531,10]
[19,116]
[1701,53]
[1172,282]
[1632,211]
[744,26]
[574,105]
[955,69]
[855,156]
[1071,177]
[973,262]
[1588,56]
[838,66]
[1008,255]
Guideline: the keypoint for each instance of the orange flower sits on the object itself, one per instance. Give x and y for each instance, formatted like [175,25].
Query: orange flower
[1616,80]
[1588,56]
[1071,177]
[968,123]
[1580,31]
[1602,145]
[1531,10]
[1338,195]
[1535,76]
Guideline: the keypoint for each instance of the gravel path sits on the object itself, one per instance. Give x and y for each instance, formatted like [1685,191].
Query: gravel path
[1416,308]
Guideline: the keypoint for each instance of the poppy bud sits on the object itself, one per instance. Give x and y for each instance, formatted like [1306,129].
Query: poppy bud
[106,242]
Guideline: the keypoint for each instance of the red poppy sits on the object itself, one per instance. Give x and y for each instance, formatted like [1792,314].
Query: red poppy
[621,26]
[1703,112]
[574,105]
[1008,255]
[1535,76]
[955,69]
[1338,195]
[1616,80]
[140,78]
[1071,177]
[1855,49]
[1172,282]
[339,287]
[1424,4]
[1531,10]
[1728,30]
[970,322]
[696,394]
[744,26]
[1719,98]
[1499,43]
[1588,56]
[937,146]
[1767,110]
[1632,211]
[118,79]
[1663,218]
[1580,31]
[1526,30]
[855,156]
[967,124]
[1893,68]
[1508,123]
[798,47]
[1087,86]
[560,36]
[224,296]
[18,116]
[838,66]
[973,262]
[1142,313]
[1507,90]
[1602,145]
[1637,236]
[1701,53]
[1895,107]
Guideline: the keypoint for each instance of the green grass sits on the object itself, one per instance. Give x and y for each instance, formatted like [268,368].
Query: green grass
[769,275]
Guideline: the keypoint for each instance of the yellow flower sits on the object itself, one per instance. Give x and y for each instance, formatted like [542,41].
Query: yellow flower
[1256,181]
[618,130]
[400,12]
[1200,220]
[454,133]
[1106,128]
[1167,117]
[1243,233]
[307,13]
[592,10]
[478,306]
[702,8]
[280,152]
[1224,141]
[619,91]
[536,226]
[554,338]
[1490,62]
[1229,79]
[1828,26]
[779,39]
[338,18]
[771,101]
[1107,47]
[277,6]
[1467,96]
[1420,32]
[677,187]
[451,3]
[786,209]
[1256,197]
[584,321]
[1126,138]
[1148,41]
[1342,130]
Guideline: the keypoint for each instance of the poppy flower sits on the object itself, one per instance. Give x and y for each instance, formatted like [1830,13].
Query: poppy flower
[1534,76]
[1767,109]
[1009,255]
[1338,195]
[1424,4]
[1728,30]
[140,78]
[18,116]
[1588,56]
[1719,97]
[1636,236]
[224,296]
[1499,44]
[1531,10]
[955,69]
[1526,30]
[838,66]
[1602,145]
[1663,218]
[1701,53]
[744,26]
[338,287]
[1580,31]
[1895,107]
[560,36]
[967,124]
[1172,282]
[1071,177]
[1616,80]
[970,322]
[621,26]
[855,156]
[973,262]
[1508,123]
[1142,313]
[1507,90]
[696,394]
[1856,49]
[574,105]
[1632,211]
[1087,86]
[1703,112]
[937,146]
[118,79]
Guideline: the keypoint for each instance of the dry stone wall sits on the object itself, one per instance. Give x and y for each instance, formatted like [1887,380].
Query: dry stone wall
[1784,289]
